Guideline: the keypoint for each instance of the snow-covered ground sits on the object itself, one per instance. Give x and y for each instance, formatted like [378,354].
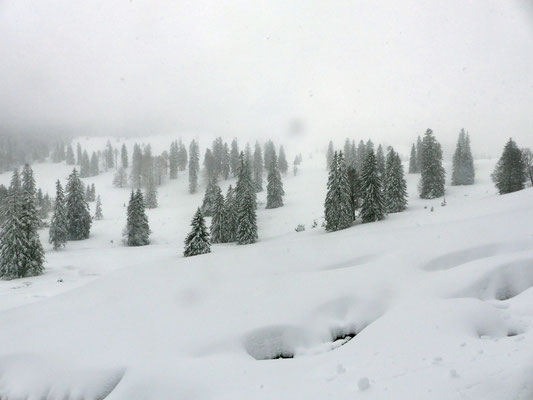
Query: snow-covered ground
[440,302]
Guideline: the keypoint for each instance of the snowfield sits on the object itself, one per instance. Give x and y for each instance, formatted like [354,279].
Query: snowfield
[423,305]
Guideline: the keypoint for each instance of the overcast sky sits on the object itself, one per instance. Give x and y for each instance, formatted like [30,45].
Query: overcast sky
[381,69]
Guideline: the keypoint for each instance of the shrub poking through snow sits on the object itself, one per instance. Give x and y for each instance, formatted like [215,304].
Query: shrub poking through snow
[197,241]
[300,228]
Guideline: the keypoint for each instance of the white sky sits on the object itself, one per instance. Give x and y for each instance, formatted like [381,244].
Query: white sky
[385,69]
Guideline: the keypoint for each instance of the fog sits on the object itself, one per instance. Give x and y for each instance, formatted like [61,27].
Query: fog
[311,70]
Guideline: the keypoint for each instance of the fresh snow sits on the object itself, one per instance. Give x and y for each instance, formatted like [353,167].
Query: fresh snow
[440,302]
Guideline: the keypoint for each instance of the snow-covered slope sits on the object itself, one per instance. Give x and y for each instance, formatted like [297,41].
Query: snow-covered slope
[439,302]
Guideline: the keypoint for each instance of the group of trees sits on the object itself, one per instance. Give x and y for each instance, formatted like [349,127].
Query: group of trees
[367,189]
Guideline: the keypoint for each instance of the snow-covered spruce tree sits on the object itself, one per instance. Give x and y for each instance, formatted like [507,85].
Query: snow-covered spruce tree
[78,216]
[147,166]
[419,152]
[58,234]
[93,192]
[373,205]
[394,187]
[268,153]
[70,156]
[282,161]
[136,166]
[413,161]
[355,189]
[194,167]
[183,158]
[329,155]
[120,179]
[433,175]
[348,155]
[209,198]
[338,206]
[173,157]
[226,167]
[380,159]
[509,174]
[85,167]
[218,220]
[79,154]
[98,211]
[275,190]
[14,254]
[258,168]
[197,241]
[230,216]
[150,200]
[30,224]
[218,155]
[234,158]
[246,205]
[94,169]
[361,154]
[124,157]
[463,162]
[137,231]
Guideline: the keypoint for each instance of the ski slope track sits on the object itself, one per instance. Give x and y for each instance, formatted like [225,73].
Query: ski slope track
[423,305]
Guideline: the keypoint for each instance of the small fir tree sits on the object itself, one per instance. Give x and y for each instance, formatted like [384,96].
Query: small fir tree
[98,212]
[197,241]
[432,173]
[275,190]
[372,207]
[78,217]
[329,155]
[258,168]
[282,161]
[58,234]
[137,231]
[194,166]
[338,205]
[230,216]
[150,199]
[218,220]
[355,189]
[463,163]
[509,175]
[246,205]
[395,187]
[380,159]
[413,161]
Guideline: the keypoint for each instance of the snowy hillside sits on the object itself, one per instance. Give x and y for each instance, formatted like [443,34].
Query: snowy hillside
[431,303]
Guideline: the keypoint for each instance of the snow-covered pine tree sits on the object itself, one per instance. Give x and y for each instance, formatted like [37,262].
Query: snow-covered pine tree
[183,158]
[355,188]
[98,211]
[275,190]
[58,234]
[136,166]
[150,200]
[197,241]
[85,167]
[209,198]
[70,156]
[78,216]
[463,163]
[137,231]
[30,223]
[380,159]
[394,186]
[258,168]
[209,164]
[94,169]
[433,174]
[361,154]
[124,157]
[226,167]
[14,248]
[218,154]
[348,156]
[283,165]
[338,206]
[79,154]
[373,206]
[230,216]
[234,158]
[88,193]
[245,198]
[173,157]
[93,192]
[329,155]
[194,167]
[413,161]
[509,174]
[147,166]
[218,220]
[268,153]
[419,152]
[120,179]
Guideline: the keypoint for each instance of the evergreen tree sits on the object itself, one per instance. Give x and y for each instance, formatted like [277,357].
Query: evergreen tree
[268,154]
[94,169]
[150,201]
[230,216]
[372,207]
[348,156]
[147,169]
[380,159]
[234,158]
[14,248]
[226,166]
[173,159]
[509,175]
[30,223]
[419,152]
[413,161]
[121,178]
[395,187]
[124,157]
[463,162]
[182,156]
[361,154]
[209,164]
[194,166]
[355,189]
[527,158]
[246,205]
[197,241]
[109,156]
[329,155]
[208,203]
[70,156]
[78,216]
[338,205]
[136,166]
[79,155]
[218,155]
[282,161]
[137,231]
[275,190]
[98,212]
[85,167]
[218,220]
[258,168]
[58,234]
[433,174]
